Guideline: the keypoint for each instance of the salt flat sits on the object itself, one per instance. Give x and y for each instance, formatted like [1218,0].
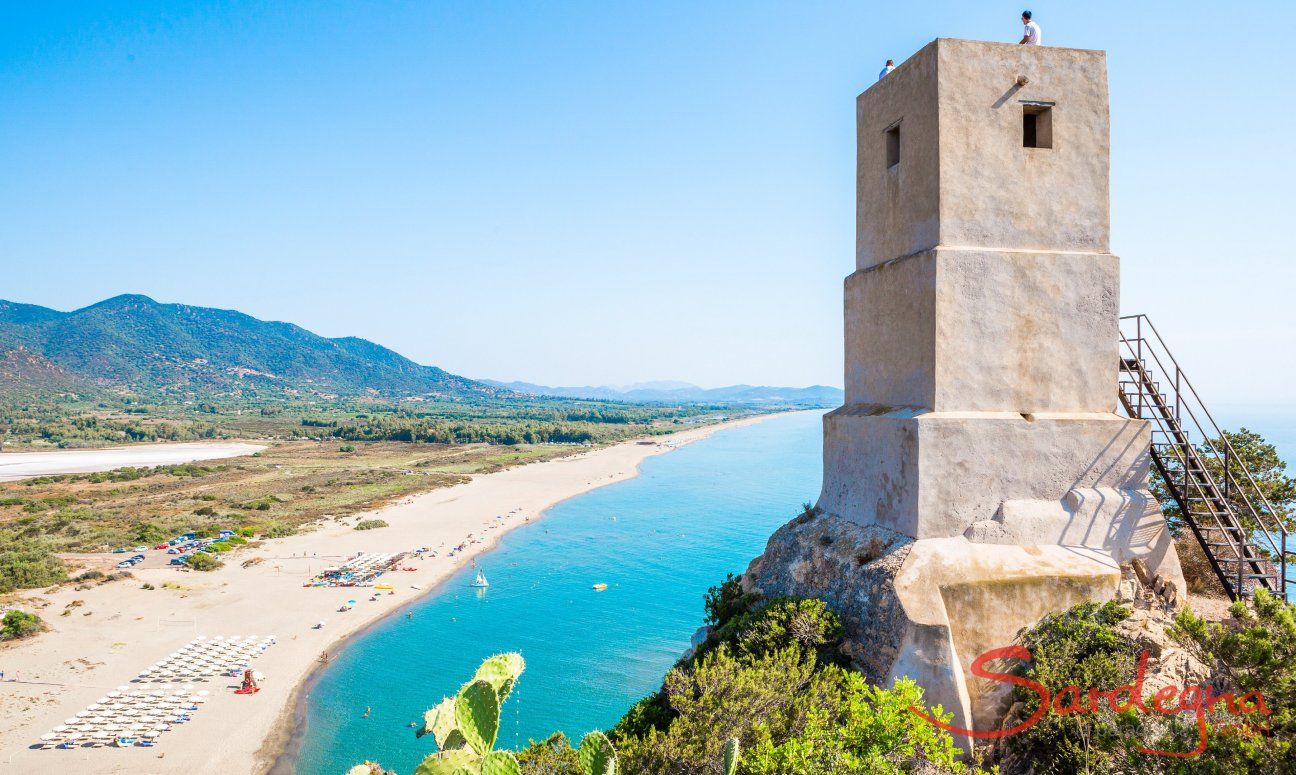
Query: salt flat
[24,465]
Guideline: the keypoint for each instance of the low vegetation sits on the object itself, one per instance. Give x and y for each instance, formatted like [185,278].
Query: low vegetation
[271,494]
[26,563]
[20,624]
[370,524]
[202,561]
[1253,652]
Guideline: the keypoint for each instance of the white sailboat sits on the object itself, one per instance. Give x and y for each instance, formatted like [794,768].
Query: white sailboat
[480,581]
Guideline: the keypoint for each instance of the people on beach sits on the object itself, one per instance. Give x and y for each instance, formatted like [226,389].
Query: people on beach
[1031,31]
[890,65]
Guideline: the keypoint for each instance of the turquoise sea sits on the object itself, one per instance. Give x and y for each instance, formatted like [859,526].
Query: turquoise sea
[658,541]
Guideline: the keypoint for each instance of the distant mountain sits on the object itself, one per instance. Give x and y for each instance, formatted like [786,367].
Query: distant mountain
[683,392]
[134,342]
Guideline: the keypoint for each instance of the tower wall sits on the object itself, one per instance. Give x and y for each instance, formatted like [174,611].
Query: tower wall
[977,476]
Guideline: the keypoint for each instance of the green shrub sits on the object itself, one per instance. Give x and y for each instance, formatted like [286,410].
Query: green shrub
[278,529]
[727,600]
[1256,652]
[778,624]
[1077,647]
[29,564]
[203,562]
[149,533]
[20,624]
[370,524]
[791,715]
[347,448]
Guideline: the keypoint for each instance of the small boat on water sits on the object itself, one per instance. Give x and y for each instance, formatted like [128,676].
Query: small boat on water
[480,581]
[599,587]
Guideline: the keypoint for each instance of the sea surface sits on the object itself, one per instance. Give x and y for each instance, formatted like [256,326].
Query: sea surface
[658,541]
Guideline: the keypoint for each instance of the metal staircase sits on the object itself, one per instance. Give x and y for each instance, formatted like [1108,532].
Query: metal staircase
[1244,539]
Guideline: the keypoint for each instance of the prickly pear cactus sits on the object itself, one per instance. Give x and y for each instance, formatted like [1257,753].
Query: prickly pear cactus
[454,762]
[440,723]
[597,756]
[477,713]
[500,763]
[501,671]
[731,757]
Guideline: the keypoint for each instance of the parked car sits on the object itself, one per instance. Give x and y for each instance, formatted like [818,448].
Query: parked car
[119,550]
[141,548]
[173,550]
[179,560]
[160,547]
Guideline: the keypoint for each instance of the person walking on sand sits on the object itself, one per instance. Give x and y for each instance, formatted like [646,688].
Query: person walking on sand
[1031,33]
[890,65]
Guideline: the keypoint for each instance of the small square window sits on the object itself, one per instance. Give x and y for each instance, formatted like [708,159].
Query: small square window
[893,146]
[1037,126]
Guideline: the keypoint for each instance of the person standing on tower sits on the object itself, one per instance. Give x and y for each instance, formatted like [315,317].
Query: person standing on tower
[890,65]
[1031,35]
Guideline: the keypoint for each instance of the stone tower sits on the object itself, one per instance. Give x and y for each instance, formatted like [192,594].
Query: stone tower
[977,476]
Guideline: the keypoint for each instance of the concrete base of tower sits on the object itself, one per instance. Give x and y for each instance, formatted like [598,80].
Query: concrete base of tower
[1074,479]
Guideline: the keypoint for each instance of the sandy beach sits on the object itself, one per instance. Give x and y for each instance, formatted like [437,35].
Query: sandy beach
[22,465]
[121,628]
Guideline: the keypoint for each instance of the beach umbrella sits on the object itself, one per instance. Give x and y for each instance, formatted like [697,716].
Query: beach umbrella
[72,721]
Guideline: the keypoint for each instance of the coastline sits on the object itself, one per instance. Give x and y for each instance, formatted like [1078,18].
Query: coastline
[268,598]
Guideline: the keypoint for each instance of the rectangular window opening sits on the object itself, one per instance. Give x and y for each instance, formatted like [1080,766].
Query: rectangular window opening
[893,146]
[1037,126]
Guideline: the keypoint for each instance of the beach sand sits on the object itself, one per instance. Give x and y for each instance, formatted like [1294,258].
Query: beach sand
[120,628]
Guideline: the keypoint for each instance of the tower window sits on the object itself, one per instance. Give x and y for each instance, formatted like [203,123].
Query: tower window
[1037,126]
[893,146]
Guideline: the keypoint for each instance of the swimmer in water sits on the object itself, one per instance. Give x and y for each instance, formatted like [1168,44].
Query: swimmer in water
[366,713]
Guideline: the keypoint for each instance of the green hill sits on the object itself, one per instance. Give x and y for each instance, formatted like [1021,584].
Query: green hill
[133,342]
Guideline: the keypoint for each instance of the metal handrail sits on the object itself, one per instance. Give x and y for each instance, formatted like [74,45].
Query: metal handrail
[1219,434]
[1188,455]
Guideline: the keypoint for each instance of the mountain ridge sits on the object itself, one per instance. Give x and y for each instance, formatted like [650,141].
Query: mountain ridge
[134,342]
[814,395]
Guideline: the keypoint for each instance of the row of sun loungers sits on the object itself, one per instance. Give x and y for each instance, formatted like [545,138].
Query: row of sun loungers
[203,658]
[363,570]
[137,716]
[126,717]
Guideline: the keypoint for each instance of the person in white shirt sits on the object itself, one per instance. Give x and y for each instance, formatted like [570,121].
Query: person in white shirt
[890,65]
[1031,35]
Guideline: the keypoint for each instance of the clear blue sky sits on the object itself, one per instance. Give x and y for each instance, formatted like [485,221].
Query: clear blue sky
[598,192]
